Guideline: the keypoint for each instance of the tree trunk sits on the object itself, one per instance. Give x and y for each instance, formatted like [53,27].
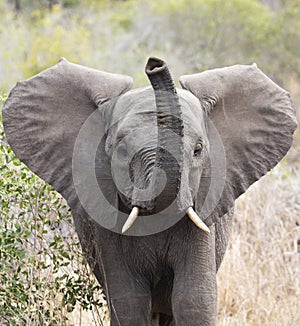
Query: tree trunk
[17,6]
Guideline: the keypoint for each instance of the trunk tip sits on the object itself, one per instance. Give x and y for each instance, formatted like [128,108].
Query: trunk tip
[154,65]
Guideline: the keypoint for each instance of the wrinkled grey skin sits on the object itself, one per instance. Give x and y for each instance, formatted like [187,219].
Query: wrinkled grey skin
[231,126]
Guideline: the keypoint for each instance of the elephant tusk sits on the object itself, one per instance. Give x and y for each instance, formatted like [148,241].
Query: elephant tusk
[196,219]
[131,218]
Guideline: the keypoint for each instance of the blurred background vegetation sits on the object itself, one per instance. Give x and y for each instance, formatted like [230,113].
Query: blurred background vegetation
[44,279]
[118,36]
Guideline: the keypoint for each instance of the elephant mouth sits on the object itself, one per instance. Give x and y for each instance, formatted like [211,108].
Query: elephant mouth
[146,208]
[135,211]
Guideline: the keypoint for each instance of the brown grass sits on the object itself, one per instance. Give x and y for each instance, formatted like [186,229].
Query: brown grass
[259,280]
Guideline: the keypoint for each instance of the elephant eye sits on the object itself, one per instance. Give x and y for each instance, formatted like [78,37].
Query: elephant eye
[198,149]
[122,152]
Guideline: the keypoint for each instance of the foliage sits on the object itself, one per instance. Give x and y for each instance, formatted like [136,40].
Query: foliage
[43,275]
[118,36]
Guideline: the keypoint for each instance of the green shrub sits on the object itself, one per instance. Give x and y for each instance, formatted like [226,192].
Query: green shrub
[43,274]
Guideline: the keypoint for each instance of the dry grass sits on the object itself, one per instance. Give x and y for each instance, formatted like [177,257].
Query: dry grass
[259,278]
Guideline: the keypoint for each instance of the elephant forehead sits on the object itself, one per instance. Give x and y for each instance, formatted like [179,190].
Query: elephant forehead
[192,114]
[190,106]
[136,109]
[137,101]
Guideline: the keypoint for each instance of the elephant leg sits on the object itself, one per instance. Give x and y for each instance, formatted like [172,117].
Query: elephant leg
[131,310]
[194,296]
[128,295]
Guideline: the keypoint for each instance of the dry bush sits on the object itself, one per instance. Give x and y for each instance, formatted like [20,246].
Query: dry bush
[259,278]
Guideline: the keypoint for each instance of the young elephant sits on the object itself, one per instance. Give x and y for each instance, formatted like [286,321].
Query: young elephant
[174,160]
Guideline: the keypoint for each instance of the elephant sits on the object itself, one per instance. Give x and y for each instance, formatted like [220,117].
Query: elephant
[151,174]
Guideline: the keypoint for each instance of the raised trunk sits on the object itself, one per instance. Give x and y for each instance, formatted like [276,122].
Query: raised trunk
[169,155]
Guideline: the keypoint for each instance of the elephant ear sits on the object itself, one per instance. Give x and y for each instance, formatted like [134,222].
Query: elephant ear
[254,119]
[43,115]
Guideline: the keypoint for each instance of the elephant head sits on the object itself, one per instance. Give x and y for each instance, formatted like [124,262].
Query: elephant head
[154,158]
[158,152]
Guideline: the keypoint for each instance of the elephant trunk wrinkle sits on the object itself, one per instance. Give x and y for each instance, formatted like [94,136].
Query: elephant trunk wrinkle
[141,167]
[141,172]
[169,154]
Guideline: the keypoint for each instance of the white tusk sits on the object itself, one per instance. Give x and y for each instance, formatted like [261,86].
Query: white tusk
[131,218]
[196,219]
